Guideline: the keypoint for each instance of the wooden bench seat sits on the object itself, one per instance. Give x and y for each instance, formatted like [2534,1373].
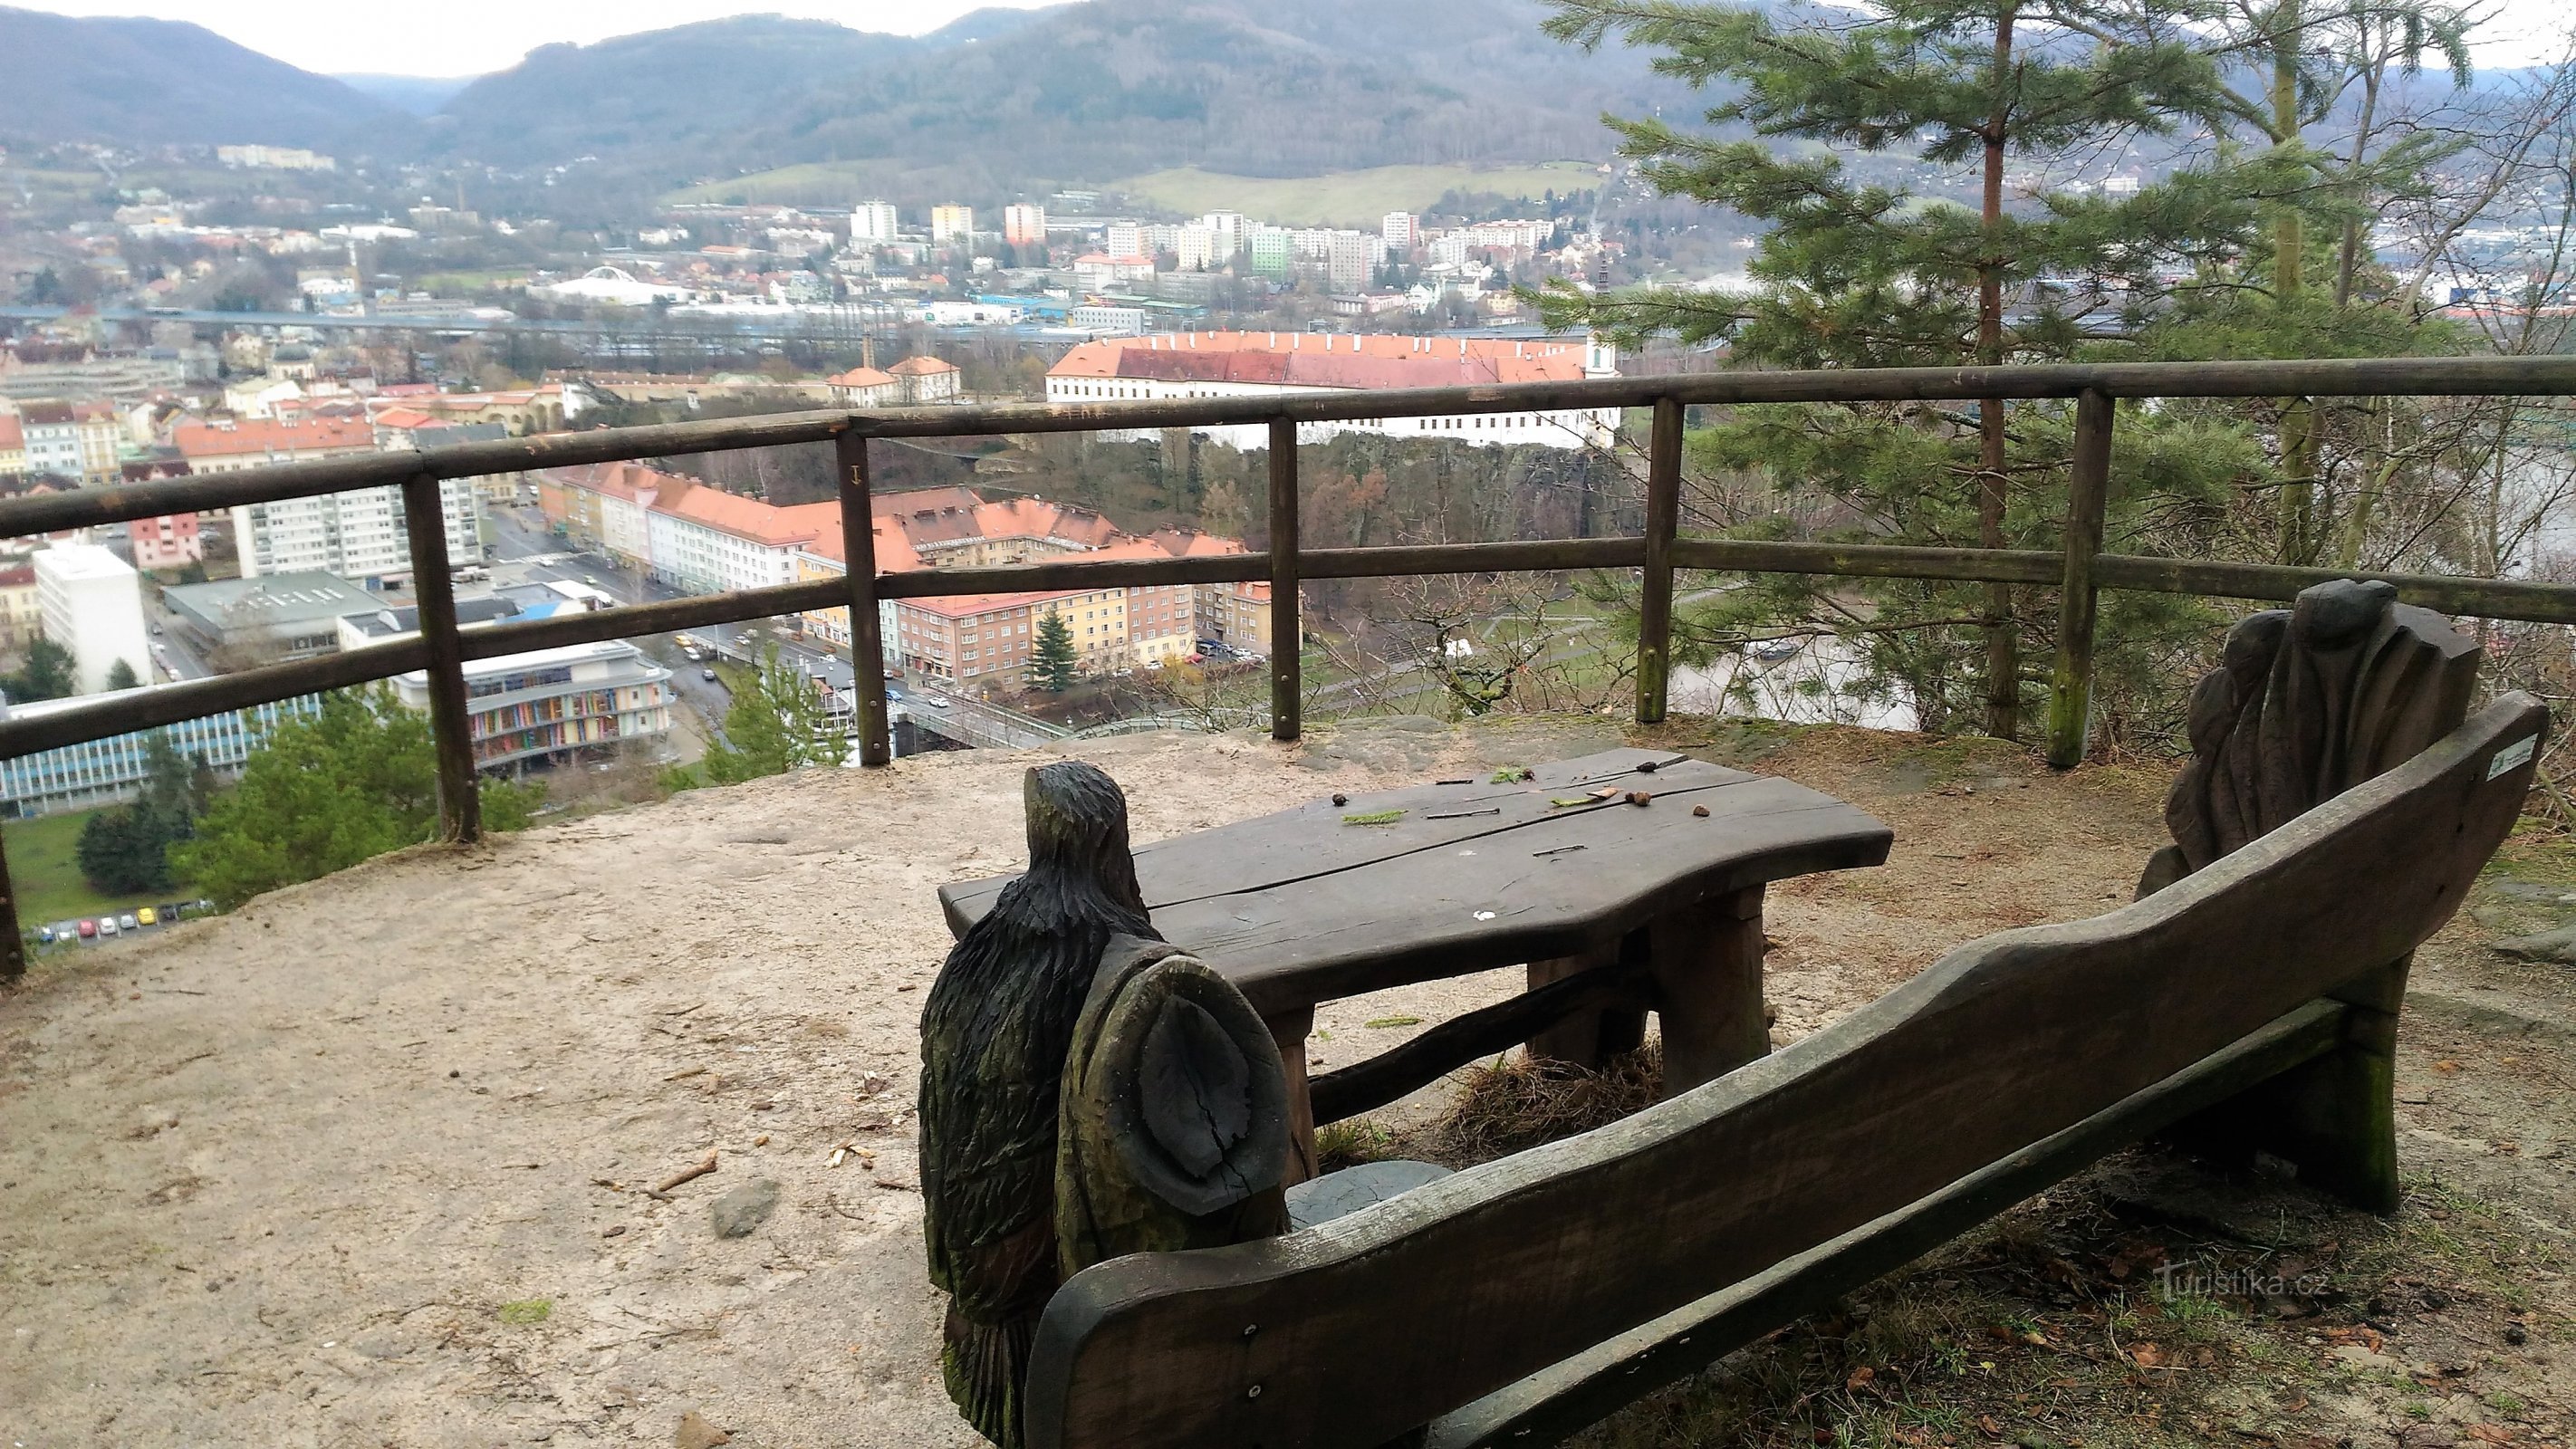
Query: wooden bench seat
[1512,1301]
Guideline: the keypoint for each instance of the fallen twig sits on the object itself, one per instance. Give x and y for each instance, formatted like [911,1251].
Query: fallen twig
[687,1174]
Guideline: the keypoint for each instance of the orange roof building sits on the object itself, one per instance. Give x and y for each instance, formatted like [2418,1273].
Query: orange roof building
[1278,364]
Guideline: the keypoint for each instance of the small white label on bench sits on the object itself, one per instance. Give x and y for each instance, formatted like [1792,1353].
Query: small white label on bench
[2512,755]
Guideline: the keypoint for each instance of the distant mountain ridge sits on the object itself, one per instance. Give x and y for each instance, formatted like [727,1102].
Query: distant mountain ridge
[999,102]
[1003,100]
[160,82]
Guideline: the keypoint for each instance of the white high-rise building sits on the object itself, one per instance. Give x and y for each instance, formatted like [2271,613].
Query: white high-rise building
[952,222]
[91,603]
[872,223]
[1024,225]
[1401,230]
[1231,228]
[1126,239]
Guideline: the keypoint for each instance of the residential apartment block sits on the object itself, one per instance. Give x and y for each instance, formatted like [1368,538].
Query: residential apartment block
[705,540]
[873,223]
[1024,225]
[22,615]
[91,603]
[76,440]
[357,534]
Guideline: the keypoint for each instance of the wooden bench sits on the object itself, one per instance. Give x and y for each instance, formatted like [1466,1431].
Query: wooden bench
[1616,908]
[2253,995]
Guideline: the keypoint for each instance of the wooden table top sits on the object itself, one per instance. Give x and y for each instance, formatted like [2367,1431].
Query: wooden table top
[1301,907]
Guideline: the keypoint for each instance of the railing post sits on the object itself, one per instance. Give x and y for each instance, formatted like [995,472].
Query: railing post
[1287,636]
[460,809]
[1663,525]
[2070,692]
[867,646]
[13,946]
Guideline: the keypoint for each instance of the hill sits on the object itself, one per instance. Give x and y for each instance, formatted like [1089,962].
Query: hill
[418,94]
[147,82]
[1010,101]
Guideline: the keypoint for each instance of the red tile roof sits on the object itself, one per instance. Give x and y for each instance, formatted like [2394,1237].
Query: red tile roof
[1324,359]
[268,435]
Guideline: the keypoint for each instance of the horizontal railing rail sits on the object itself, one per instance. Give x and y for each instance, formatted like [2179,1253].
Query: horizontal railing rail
[2080,570]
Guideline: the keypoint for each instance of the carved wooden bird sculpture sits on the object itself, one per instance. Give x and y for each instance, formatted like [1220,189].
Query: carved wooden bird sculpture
[994,1035]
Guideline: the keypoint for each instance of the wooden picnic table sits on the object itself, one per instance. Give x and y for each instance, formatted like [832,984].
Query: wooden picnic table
[1559,872]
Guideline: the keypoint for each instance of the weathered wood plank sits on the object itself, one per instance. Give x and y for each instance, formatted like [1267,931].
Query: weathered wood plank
[1310,839]
[1565,1398]
[1466,1285]
[1298,907]
[1590,1037]
[1370,1084]
[1707,964]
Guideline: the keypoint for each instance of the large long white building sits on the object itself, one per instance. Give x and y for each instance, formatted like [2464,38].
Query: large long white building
[359,534]
[1281,364]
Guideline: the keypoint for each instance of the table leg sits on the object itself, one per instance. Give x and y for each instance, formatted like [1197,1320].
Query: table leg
[1587,1039]
[1290,1029]
[1707,966]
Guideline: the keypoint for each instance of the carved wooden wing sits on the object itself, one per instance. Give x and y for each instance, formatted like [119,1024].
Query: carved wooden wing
[2306,703]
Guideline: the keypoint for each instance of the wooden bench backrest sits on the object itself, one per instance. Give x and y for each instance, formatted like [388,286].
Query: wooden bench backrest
[1353,1332]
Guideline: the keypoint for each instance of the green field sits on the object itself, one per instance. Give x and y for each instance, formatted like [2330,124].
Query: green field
[43,867]
[1347,198]
[1344,198]
[814,183]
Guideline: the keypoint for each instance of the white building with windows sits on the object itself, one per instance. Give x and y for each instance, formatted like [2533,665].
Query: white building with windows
[91,603]
[1280,364]
[358,534]
[708,541]
[873,223]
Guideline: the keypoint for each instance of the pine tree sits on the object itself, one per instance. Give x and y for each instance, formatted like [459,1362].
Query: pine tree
[1855,272]
[777,722]
[320,794]
[1053,662]
[120,675]
[47,674]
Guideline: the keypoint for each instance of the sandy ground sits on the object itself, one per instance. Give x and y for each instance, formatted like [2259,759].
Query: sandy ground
[360,1164]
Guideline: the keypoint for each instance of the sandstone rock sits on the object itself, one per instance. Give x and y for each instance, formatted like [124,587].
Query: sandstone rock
[739,1213]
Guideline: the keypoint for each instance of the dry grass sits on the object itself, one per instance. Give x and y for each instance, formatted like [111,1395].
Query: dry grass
[1512,1104]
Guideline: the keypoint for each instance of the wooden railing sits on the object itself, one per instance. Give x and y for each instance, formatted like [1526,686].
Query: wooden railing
[2080,569]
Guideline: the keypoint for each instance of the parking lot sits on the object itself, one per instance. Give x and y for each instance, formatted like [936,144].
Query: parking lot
[89,930]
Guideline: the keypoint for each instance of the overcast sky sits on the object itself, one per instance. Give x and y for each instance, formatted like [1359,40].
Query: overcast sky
[470,37]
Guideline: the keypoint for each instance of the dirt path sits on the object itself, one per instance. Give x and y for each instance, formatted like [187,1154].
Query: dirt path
[362,1163]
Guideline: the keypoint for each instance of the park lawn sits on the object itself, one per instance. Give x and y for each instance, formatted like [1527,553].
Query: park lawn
[1348,198]
[44,866]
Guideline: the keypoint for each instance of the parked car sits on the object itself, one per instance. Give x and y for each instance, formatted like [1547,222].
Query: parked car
[710,674]
[67,931]
[44,935]
[107,925]
[936,701]
[1772,651]
[146,917]
[127,922]
[88,930]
